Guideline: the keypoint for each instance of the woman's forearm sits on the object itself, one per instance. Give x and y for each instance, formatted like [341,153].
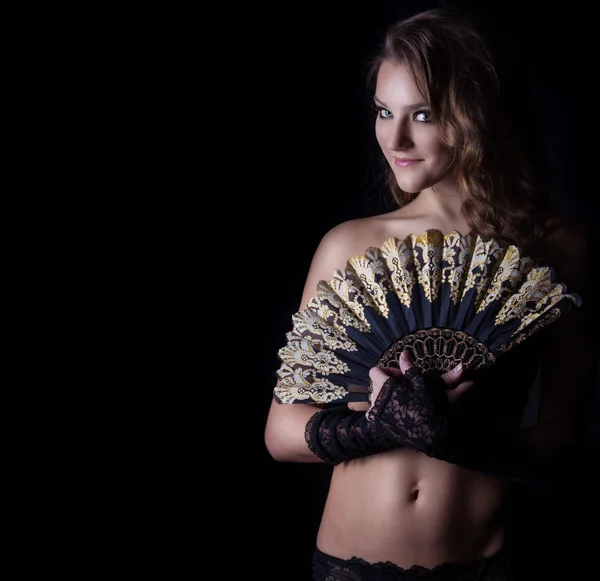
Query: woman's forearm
[285,432]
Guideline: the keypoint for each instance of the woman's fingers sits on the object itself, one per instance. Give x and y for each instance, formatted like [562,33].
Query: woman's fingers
[378,375]
[452,378]
[459,391]
[405,361]
[455,387]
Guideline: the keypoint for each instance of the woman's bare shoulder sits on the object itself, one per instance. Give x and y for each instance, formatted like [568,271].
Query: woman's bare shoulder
[356,235]
[349,239]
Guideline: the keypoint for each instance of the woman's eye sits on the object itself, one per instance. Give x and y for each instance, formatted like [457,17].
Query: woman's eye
[383,113]
[423,116]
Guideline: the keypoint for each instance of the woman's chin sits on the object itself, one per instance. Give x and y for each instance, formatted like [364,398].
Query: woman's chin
[409,188]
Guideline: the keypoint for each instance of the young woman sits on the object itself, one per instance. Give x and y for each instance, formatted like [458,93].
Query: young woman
[398,510]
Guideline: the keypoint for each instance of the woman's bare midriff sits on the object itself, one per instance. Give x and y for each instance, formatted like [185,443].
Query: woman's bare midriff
[402,506]
[407,508]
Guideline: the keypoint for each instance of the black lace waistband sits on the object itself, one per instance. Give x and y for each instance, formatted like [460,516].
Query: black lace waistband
[329,568]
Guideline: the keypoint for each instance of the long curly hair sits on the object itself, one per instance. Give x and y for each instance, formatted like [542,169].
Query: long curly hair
[468,88]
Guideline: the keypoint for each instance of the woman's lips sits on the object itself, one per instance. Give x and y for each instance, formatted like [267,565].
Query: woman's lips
[403,161]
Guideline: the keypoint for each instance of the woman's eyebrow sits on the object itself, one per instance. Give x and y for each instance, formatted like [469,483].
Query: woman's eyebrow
[413,106]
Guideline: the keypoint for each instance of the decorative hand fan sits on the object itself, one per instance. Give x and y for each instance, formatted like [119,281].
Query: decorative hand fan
[446,299]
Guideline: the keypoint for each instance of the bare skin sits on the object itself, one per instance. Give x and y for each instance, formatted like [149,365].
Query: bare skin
[399,506]
[402,506]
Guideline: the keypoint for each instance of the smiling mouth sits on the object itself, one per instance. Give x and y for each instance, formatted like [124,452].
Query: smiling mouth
[403,162]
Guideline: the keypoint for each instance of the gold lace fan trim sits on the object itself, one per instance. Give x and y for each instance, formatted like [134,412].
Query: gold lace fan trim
[439,349]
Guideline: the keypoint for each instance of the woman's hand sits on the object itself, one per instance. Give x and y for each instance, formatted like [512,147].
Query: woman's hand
[455,387]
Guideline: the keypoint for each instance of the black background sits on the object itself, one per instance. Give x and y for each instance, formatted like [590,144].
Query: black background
[315,168]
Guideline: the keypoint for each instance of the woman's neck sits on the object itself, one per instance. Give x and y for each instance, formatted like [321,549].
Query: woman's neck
[442,201]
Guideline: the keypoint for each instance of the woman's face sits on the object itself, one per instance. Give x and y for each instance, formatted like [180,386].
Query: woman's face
[406,132]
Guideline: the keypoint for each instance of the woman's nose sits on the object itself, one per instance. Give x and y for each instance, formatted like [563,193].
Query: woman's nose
[399,136]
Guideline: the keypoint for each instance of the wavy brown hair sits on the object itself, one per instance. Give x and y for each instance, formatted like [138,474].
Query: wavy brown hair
[459,76]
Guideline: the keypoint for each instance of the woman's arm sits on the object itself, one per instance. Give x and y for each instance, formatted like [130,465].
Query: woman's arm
[286,423]
[556,445]
[305,433]
[284,432]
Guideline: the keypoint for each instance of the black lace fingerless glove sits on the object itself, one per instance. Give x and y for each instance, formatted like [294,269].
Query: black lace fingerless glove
[409,411]
[412,412]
